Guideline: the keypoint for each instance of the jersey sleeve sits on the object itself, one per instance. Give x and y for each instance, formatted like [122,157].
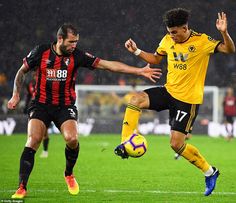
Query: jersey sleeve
[88,60]
[32,60]
[210,44]
[161,49]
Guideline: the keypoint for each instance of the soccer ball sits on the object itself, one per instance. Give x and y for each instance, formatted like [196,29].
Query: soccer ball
[136,145]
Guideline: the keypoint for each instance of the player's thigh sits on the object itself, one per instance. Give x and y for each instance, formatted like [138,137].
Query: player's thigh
[158,98]
[36,131]
[66,121]
[182,116]
[69,131]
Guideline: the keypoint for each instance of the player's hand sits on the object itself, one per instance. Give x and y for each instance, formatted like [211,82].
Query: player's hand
[151,73]
[12,103]
[221,22]
[131,45]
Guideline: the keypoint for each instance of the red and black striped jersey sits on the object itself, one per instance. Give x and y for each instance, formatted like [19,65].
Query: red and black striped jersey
[229,106]
[56,74]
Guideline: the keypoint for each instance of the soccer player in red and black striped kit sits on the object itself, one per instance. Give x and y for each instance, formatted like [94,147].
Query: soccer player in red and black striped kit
[56,67]
[229,105]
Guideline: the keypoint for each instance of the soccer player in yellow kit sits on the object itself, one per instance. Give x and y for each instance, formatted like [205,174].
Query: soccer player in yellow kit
[188,54]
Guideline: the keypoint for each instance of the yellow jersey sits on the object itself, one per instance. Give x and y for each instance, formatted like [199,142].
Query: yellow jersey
[187,65]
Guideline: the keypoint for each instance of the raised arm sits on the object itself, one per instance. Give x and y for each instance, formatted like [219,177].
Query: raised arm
[148,57]
[227,46]
[18,83]
[115,66]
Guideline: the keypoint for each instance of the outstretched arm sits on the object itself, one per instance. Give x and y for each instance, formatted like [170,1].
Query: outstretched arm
[148,57]
[115,66]
[227,46]
[18,83]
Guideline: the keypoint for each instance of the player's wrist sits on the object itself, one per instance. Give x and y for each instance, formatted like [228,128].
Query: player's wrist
[137,52]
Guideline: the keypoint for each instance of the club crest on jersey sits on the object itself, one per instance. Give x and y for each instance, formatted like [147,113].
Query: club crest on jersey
[192,48]
[67,61]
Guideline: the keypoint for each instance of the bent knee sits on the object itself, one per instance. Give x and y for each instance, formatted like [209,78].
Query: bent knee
[71,140]
[176,145]
[140,100]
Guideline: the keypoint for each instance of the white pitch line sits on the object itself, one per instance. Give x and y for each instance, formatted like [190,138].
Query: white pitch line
[126,191]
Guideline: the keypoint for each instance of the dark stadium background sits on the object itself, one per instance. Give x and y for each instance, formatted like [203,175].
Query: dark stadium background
[104,26]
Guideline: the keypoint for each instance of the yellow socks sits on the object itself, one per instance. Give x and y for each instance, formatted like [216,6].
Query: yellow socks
[130,122]
[192,154]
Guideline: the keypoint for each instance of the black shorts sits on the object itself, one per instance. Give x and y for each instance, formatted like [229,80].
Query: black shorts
[181,115]
[49,113]
[229,119]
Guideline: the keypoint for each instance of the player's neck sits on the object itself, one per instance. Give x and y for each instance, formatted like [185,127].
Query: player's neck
[186,37]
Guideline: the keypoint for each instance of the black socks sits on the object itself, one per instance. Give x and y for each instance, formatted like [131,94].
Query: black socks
[71,158]
[26,165]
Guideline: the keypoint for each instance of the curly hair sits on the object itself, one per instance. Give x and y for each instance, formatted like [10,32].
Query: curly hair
[176,17]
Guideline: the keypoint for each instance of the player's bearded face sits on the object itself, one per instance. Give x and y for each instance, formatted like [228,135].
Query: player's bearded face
[65,50]
[69,44]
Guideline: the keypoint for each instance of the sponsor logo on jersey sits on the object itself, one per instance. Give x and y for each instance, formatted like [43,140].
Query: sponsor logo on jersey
[180,56]
[56,75]
[180,66]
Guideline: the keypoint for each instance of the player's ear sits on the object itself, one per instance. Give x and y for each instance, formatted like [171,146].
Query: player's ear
[59,38]
[185,27]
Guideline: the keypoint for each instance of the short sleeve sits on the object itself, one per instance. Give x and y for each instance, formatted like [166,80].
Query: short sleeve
[161,49]
[32,60]
[210,44]
[88,60]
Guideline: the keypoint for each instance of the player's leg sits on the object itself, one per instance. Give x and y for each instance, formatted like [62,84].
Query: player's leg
[66,121]
[36,130]
[69,131]
[187,137]
[148,99]
[184,117]
[229,127]
[44,153]
[137,102]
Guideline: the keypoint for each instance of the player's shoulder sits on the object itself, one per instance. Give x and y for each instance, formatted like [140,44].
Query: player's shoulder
[79,52]
[166,38]
[196,34]
[41,48]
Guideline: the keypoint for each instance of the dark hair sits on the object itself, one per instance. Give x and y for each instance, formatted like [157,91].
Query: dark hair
[65,29]
[176,17]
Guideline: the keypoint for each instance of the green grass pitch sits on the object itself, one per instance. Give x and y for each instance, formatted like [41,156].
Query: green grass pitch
[104,177]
